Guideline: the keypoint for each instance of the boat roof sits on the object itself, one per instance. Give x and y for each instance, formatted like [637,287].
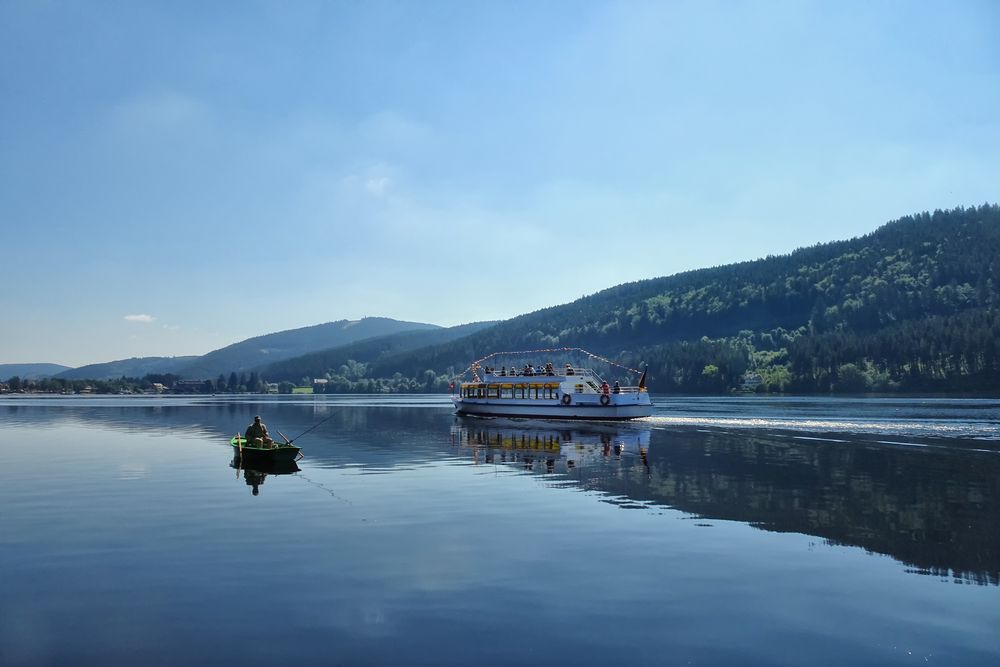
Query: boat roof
[553,378]
[483,373]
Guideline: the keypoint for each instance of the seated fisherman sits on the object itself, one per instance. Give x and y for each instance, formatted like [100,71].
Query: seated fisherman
[256,435]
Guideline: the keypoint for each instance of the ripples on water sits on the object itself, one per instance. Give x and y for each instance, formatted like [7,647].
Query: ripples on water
[973,419]
[719,531]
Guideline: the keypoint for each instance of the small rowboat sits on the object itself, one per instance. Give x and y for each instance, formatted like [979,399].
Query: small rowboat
[277,453]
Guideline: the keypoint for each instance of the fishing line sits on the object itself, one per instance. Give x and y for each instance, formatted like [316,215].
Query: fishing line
[311,428]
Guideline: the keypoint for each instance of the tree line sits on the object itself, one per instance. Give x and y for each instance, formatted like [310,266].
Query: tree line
[913,306]
[910,307]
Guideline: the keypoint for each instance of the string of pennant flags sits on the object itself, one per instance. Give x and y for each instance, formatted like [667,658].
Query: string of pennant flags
[479,362]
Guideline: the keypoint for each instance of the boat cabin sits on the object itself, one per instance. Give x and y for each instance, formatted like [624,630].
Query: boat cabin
[565,393]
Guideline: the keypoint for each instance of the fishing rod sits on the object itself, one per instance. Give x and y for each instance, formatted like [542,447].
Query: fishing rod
[317,424]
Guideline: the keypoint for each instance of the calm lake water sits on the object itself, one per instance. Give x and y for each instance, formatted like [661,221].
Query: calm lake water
[720,531]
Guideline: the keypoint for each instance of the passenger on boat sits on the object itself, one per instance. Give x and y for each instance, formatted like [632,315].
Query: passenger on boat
[548,369]
[605,389]
[503,371]
[617,388]
[569,369]
[256,435]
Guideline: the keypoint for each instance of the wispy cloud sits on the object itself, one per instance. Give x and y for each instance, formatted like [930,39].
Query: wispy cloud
[142,318]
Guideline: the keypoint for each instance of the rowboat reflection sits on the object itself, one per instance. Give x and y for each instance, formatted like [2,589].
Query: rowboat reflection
[549,447]
[255,476]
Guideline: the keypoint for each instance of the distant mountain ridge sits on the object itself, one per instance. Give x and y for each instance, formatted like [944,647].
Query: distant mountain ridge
[247,354]
[30,371]
[135,367]
[912,306]
[269,348]
[366,351]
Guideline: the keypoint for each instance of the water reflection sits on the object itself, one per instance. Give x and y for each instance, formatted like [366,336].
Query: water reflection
[933,509]
[256,475]
[550,448]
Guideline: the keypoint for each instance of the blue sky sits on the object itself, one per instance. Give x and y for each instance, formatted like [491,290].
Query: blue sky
[178,176]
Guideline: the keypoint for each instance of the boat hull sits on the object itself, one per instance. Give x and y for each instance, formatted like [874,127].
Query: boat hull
[276,454]
[555,410]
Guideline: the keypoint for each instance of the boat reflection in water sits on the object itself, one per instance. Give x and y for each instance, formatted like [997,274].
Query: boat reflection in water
[933,508]
[255,476]
[549,447]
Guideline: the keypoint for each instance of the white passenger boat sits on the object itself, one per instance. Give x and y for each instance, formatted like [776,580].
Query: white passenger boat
[549,392]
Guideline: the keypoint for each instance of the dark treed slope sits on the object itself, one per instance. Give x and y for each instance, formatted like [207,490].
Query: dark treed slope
[133,368]
[911,306]
[30,371]
[348,362]
[292,343]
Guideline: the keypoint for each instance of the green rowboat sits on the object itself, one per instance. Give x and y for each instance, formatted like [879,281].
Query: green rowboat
[275,453]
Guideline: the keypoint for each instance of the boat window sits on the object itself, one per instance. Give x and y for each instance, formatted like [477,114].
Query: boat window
[493,392]
[506,392]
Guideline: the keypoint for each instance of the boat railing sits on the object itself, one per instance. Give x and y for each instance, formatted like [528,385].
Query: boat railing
[557,373]
[582,375]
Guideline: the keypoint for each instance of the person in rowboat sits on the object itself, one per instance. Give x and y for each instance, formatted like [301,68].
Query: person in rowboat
[257,436]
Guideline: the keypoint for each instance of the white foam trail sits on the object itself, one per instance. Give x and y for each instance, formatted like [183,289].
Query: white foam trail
[978,431]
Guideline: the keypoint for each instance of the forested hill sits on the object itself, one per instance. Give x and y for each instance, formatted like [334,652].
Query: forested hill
[30,371]
[350,361]
[292,343]
[911,306]
[134,367]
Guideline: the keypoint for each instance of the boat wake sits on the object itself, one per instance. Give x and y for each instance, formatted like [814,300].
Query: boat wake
[913,428]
